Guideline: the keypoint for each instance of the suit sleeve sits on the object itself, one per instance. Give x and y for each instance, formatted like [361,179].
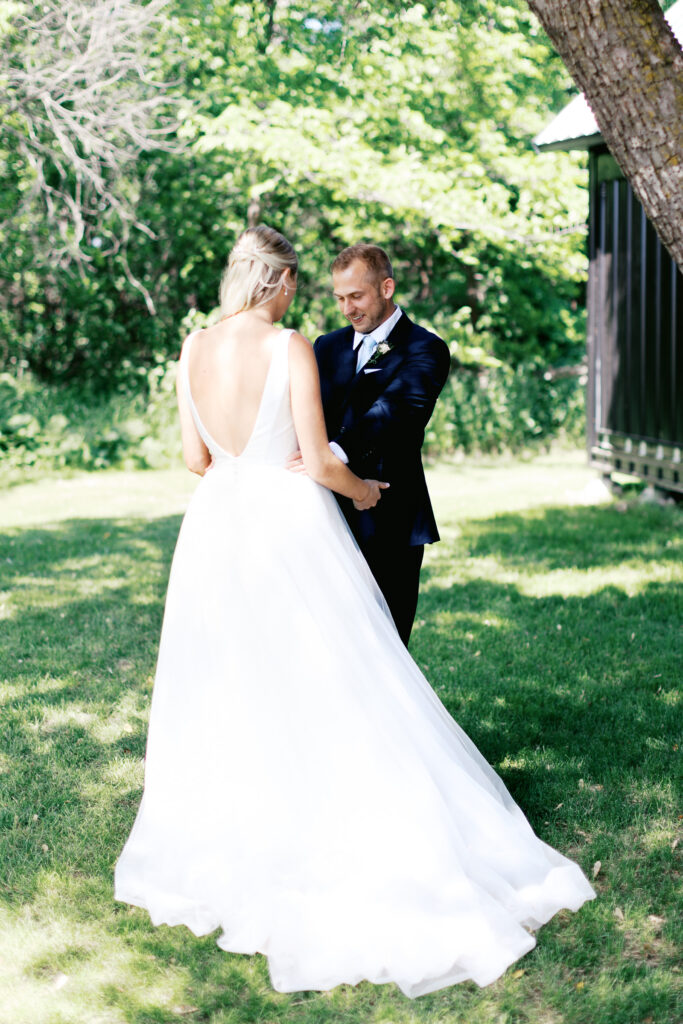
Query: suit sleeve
[398,417]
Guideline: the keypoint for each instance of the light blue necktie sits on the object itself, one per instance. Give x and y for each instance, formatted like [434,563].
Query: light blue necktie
[365,350]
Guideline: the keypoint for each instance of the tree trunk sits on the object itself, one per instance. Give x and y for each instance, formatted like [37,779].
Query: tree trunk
[270,25]
[626,60]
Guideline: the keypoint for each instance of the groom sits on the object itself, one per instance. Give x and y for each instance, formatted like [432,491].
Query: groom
[380,378]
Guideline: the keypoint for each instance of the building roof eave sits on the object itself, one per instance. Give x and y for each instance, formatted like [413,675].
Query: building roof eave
[570,129]
[581,142]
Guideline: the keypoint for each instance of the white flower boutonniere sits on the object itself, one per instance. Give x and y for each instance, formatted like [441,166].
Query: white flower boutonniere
[382,349]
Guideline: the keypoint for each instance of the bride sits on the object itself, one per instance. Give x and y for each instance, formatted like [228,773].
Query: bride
[305,791]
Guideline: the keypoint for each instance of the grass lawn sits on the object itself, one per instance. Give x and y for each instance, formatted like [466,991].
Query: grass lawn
[550,628]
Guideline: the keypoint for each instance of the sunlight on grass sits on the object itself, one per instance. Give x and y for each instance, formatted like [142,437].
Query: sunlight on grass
[65,971]
[108,494]
[631,579]
[548,626]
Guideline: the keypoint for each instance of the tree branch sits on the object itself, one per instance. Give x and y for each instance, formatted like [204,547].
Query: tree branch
[84,104]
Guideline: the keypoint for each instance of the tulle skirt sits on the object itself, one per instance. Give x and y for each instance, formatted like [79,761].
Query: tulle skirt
[305,790]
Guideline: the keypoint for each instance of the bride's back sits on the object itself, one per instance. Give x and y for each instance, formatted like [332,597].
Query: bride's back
[227,369]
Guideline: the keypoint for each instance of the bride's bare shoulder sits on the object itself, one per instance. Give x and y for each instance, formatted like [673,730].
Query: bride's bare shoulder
[299,345]
[303,367]
[193,336]
[217,330]
[205,339]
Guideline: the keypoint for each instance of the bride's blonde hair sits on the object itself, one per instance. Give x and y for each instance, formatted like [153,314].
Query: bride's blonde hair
[253,274]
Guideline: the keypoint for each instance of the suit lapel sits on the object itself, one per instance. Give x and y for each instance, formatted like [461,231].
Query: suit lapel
[350,387]
[396,339]
[401,332]
[362,389]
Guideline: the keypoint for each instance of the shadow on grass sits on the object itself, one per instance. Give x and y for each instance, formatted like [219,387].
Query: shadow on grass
[565,695]
[582,679]
[581,538]
[578,695]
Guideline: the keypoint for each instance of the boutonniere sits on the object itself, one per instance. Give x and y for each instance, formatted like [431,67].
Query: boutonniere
[382,349]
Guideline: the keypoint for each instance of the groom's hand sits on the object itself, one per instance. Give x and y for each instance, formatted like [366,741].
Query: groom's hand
[295,463]
[375,488]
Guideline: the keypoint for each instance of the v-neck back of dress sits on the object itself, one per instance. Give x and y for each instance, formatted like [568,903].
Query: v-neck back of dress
[272,438]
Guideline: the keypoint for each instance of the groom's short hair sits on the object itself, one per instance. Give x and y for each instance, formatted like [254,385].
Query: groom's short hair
[374,258]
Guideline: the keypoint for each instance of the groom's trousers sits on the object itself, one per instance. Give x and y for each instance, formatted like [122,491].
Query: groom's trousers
[397,571]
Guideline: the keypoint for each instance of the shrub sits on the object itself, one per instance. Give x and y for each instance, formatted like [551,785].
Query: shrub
[482,409]
[496,409]
[53,428]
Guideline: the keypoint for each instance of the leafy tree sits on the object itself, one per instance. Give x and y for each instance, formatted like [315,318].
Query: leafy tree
[383,122]
[408,124]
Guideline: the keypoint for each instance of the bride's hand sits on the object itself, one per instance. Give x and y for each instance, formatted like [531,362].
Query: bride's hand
[375,488]
[295,463]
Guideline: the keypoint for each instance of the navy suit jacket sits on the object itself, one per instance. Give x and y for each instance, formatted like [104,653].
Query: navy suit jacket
[379,419]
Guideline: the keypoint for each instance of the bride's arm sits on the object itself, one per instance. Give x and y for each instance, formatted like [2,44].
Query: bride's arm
[309,422]
[196,454]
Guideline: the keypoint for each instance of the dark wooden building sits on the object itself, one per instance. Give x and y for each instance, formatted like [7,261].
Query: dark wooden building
[635,315]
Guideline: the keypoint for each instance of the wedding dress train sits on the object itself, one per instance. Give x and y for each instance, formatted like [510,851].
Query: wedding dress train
[305,790]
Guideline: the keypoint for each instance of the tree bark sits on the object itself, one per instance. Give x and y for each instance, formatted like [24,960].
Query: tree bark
[626,60]
[270,25]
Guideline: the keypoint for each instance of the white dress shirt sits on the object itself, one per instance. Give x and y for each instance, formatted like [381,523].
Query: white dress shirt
[380,333]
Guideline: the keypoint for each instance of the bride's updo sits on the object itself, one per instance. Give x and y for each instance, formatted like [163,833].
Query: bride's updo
[253,275]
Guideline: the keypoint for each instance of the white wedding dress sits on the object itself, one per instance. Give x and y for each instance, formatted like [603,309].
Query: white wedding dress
[305,790]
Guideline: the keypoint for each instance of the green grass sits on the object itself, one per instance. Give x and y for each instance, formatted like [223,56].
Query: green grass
[549,628]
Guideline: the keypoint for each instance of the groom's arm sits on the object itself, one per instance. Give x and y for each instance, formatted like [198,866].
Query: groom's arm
[325,353]
[400,414]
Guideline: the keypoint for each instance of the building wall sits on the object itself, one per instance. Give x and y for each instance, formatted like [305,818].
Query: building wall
[635,335]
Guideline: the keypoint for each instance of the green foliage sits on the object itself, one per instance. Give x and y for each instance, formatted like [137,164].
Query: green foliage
[408,124]
[45,428]
[505,409]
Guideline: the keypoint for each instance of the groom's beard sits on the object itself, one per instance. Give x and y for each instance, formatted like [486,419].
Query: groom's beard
[375,314]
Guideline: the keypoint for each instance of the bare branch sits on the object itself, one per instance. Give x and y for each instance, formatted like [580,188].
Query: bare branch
[83,104]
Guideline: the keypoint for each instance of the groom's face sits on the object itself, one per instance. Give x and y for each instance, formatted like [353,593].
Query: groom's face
[364,300]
